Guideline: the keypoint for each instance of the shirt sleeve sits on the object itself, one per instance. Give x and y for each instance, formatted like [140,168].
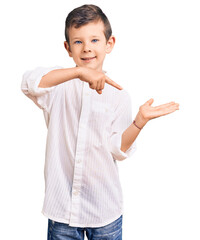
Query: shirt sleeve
[42,97]
[123,119]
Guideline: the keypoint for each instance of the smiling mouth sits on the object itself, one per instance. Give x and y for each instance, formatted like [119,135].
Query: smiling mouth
[88,59]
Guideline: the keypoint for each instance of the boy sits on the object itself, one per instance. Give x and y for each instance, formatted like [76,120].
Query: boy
[88,131]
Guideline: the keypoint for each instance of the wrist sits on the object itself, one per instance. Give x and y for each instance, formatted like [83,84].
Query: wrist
[140,121]
[79,71]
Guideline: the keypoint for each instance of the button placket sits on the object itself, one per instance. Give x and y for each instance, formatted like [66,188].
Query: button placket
[80,149]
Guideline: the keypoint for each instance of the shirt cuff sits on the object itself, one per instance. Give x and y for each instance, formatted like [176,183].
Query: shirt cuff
[34,78]
[115,145]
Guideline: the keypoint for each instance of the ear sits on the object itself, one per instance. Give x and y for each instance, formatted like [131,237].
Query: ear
[67,47]
[110,44]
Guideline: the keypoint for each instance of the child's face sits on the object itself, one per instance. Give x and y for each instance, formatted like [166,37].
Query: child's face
[88,46]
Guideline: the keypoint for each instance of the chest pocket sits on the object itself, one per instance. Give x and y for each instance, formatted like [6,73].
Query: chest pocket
[99,121]
[101,112]
[101,107]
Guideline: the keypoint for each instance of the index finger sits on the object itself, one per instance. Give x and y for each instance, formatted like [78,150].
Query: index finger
[112,83]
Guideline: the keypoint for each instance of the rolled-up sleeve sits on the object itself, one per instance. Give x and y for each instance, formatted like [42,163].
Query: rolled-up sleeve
[123,119]
[42,97]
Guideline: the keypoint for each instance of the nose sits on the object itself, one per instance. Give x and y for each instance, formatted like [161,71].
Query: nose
[86,47]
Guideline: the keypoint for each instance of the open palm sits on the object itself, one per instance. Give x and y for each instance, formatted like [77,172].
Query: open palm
[148,112]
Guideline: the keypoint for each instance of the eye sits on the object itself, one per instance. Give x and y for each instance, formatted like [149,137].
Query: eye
[95,40]
[77,42]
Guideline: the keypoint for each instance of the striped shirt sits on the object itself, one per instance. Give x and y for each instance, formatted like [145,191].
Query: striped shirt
[82,185]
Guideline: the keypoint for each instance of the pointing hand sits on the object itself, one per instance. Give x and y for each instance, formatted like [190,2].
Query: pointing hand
[96,79]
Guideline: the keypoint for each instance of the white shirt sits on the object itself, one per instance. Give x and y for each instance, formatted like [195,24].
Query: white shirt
[82,185]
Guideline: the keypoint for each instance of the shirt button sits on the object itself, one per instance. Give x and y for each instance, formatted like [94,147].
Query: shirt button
[79,160]
[76,192]
[87,94]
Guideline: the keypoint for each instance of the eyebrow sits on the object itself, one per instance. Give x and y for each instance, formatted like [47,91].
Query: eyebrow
[91,37]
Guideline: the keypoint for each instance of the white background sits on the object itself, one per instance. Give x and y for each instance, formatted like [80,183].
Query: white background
[157,54]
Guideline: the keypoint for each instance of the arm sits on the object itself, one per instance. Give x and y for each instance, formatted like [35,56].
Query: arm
[40,83]
[146,113]
[58,76]
[96,79]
